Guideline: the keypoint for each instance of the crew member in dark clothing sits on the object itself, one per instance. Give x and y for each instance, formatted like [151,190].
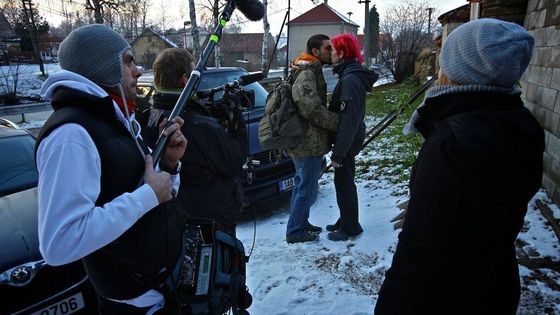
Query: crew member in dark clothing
[348,99]
[480,164]
[210,185]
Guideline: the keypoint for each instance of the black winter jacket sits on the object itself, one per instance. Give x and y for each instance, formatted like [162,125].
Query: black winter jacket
[144,256]
[349,99]
[479,166]
[212,163]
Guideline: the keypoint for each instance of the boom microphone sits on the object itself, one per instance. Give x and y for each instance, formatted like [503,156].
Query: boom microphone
[250,78]
[252,9]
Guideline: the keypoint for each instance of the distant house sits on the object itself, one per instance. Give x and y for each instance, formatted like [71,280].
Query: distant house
[281,52]
[202,38]
[452,19]
[243,50]
[48,46]
[148,45]
[7,34]
[322,19]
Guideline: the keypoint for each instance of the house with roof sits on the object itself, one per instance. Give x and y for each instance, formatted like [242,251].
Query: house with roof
[322,19]
[244,50]
[48,44]
[7,34]
[148,45]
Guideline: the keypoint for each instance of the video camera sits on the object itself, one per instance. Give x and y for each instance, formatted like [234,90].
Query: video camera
[234,99]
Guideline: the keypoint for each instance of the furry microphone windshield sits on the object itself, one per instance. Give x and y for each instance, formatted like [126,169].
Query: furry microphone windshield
[252,9]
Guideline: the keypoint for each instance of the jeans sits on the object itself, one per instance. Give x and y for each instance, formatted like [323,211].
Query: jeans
[304,195]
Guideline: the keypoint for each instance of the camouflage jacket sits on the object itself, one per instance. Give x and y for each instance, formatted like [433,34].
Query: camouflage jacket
[309,92]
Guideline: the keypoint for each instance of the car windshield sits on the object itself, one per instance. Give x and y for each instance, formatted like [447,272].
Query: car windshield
[17,164]
[215,79]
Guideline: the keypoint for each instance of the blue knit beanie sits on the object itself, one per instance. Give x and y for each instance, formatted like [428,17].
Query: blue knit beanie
[94,51]
[486,52]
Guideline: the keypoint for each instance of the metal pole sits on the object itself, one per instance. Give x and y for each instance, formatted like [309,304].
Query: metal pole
[194,79]
[185,33]
[429,21]
[367,35]
[277,41]
[287,44]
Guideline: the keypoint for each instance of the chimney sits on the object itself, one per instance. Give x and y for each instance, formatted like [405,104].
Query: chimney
[326,2]
[475,9]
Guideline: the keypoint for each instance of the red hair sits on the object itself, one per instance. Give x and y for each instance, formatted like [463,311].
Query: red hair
[348,44]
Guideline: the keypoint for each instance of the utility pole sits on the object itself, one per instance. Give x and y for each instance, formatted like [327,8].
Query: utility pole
[287,45]
[350,15]
[429,21]
[366,32]
[33,32]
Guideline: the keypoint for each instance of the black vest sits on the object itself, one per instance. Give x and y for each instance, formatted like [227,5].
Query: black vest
[144,256]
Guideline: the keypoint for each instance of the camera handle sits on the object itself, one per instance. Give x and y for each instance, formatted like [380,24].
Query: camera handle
[194,79]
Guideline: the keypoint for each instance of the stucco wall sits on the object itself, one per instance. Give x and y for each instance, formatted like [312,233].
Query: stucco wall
[146,48]
[299,34]
[541,84]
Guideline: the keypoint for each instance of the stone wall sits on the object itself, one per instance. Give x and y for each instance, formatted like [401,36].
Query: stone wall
[507,10]
[541,84]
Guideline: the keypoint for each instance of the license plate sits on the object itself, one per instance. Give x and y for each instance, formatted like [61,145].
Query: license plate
[286,184]
[67,306]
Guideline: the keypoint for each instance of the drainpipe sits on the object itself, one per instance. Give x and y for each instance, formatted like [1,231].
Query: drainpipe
[475,9]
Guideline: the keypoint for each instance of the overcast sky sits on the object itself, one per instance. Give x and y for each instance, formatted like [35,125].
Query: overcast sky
[176,12]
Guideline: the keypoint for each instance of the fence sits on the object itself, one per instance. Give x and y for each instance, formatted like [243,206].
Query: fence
[8,110]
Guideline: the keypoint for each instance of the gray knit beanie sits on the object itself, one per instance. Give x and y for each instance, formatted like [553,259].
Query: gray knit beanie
[486,52]
[94,51]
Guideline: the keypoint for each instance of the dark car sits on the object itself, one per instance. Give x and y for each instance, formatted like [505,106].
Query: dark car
[27,284]
[268,175]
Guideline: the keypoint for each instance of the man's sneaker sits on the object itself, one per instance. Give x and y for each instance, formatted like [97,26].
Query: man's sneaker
[314,229]
[305,237]
[333,227]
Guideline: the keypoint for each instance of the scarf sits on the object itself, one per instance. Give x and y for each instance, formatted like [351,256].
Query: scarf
[305,58]
[130,104]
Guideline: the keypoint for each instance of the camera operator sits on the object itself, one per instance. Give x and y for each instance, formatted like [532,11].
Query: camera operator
[210,185]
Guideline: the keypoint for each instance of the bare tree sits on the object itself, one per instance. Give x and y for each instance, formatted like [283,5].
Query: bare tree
[407,27]
[163,17]
[144,8]
[11,10]
[194,29]
[210,15]
[30,14]
[266,26]
[99,6]
[10,76]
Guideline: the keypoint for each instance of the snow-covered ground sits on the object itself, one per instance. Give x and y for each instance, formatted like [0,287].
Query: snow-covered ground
[328,277]
[28,78]
[344,277]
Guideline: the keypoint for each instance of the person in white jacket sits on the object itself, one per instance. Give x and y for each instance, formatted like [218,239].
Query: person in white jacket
[100,198]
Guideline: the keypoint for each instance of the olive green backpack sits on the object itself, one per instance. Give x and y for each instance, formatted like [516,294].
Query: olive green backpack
[282,127]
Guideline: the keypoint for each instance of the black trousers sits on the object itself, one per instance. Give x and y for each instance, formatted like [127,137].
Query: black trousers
[347,196]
